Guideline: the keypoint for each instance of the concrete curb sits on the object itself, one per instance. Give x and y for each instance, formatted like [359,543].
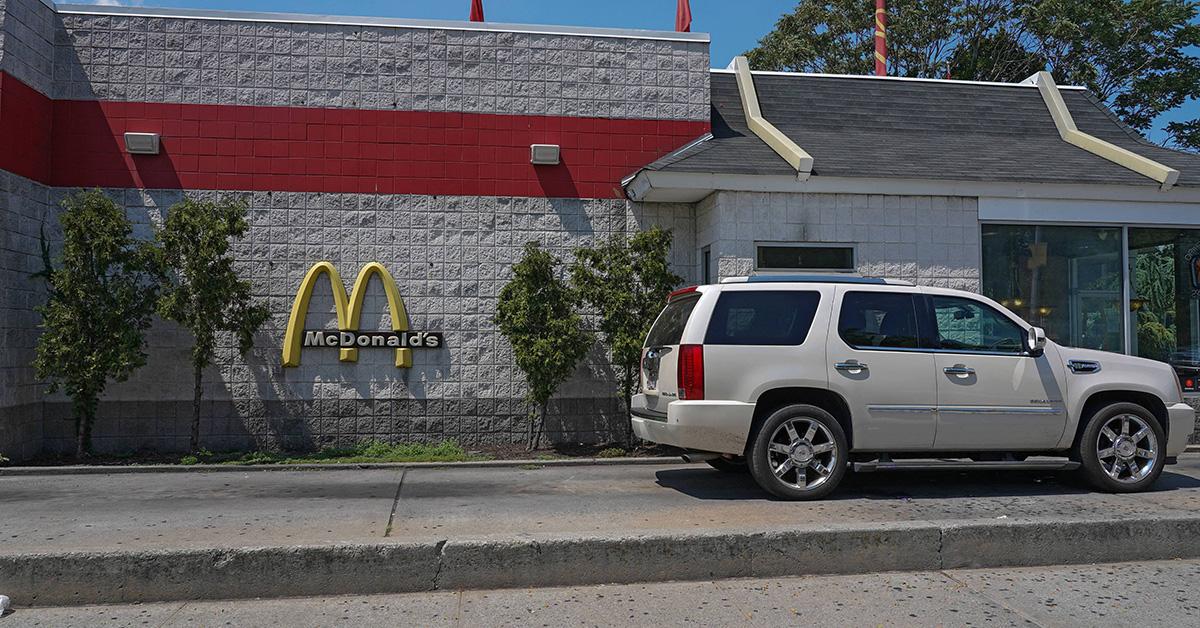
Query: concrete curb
[89,578]
[224,468]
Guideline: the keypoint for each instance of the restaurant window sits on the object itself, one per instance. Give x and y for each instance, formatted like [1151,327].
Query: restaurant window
[1164,298]
[809,257]
[1067,280]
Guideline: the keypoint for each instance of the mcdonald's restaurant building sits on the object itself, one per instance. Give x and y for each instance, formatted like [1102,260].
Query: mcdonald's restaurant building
[393,170]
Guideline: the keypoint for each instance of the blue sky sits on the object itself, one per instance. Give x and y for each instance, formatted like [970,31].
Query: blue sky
[735,25]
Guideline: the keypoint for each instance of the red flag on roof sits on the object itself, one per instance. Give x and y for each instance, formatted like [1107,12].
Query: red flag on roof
[683,17]
[476,10]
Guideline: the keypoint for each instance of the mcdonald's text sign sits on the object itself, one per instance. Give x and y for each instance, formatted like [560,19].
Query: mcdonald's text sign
[347,338]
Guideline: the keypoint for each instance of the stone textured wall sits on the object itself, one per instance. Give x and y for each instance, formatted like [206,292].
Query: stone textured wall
[933,240]
[116,57]
[23,206]
[27,42]
[450,256]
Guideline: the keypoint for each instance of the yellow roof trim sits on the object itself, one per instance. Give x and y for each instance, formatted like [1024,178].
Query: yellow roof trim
[773,137]
[1165,175]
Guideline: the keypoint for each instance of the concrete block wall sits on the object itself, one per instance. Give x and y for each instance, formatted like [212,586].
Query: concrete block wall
[23,207]
[109,56]
[27,42]
[933,240]
[450,256]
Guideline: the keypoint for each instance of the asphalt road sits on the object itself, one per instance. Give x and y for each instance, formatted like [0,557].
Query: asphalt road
[1124,594]
[254,508]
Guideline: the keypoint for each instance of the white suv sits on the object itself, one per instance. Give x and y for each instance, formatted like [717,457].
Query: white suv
[799,378]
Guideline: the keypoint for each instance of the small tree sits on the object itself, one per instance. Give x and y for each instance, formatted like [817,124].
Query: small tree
[548,337]
[100,299]
[201,290]
[626,281]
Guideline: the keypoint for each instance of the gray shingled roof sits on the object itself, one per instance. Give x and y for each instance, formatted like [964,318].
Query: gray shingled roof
[863,127]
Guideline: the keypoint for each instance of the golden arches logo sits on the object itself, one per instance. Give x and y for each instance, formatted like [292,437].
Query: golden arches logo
[349,310]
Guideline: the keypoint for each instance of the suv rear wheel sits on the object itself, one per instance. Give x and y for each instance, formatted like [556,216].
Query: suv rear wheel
[1121,448]
[799,453]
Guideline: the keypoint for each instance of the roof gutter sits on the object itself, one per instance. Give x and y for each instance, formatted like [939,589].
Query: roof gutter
[1166,176]
[773,137]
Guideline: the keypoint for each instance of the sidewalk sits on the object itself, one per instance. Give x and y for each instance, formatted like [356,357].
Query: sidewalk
[75,538]
[1028,596]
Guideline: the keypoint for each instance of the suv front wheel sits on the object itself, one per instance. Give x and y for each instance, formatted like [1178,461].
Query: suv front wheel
[799,453]
[1121,449]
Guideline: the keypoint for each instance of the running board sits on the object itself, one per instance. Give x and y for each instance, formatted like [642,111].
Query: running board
[965,465]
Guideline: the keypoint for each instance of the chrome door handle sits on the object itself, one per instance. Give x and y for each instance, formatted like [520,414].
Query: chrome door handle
[851,366]
[958,370]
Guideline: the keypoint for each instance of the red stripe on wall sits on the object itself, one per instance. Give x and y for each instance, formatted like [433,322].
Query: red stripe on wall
[234,147]
[25,130]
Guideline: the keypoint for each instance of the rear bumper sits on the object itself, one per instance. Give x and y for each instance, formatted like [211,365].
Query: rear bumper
[717,426]
[1183,423]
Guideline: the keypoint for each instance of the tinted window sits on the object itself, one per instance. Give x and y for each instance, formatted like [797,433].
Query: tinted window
[972,326]
[878,319]
[668,329]
[776,257]
[762,318]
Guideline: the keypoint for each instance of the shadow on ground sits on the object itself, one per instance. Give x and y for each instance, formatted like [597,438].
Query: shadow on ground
[705,483]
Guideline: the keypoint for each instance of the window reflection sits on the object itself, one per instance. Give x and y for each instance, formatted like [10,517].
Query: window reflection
[1164,273]
[1067,280]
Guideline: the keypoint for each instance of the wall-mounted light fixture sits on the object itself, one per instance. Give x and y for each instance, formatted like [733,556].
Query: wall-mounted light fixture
[544,154]
[141,143]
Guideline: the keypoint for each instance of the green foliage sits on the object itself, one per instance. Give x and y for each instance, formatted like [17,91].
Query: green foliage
[368,451]
[1135,55]
[201,290]
[1155,340]
[536,314]
[626,282]
[4,461]
[100,299]
[612,452]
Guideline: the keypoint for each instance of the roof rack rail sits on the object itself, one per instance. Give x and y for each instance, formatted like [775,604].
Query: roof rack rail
[854,279]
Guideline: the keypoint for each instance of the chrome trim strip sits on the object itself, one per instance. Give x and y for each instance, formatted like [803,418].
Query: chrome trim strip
[1000,410]
[902,409]
[303,18]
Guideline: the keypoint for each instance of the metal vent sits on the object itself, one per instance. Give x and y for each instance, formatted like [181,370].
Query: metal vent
[544,154]
[141,143]
[1083,366]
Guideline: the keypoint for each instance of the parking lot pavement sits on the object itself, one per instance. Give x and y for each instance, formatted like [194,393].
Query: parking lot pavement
[1123,594]
[278,508]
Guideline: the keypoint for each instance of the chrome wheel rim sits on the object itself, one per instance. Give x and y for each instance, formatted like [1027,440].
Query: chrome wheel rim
[802,453]
[1127,448]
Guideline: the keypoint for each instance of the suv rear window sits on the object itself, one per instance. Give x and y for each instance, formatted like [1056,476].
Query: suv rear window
[766,317]
[668,329]
[878,319]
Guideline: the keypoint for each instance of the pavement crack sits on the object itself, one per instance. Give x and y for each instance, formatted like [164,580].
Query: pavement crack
[395,504]
[441,562]
[941,557]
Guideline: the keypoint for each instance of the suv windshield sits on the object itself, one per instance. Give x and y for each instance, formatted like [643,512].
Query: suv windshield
[668,329]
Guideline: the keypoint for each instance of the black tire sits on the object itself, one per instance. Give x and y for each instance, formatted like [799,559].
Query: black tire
[1087,450]
[760,453]
[736,465]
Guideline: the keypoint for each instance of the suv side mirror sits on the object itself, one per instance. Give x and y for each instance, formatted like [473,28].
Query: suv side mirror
[1036,342]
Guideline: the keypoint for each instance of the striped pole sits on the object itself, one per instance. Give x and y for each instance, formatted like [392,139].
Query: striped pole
[880,38]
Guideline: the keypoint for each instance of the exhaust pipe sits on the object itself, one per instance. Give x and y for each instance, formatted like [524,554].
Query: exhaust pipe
[699,456]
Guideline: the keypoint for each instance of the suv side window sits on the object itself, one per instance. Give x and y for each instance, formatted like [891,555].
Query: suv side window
[762,317]
[668,329]
[968,325]
[879,320]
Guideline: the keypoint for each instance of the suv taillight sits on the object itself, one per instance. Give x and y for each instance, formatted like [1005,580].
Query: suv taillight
[691,372]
